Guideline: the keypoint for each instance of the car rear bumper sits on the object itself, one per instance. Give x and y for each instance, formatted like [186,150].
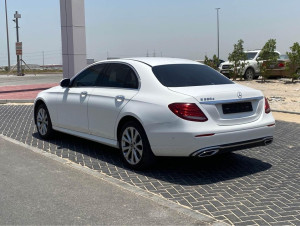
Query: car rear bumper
[209,151]
[278,72]
[190,143]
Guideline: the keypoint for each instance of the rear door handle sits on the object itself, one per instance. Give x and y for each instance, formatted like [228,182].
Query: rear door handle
[120,98]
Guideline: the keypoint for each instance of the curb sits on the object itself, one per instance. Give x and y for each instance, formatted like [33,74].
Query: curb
[287,112]
[125,186]
[16,101]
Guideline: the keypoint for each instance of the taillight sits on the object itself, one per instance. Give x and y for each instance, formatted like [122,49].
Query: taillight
[267,106]
[188,111]
[281,65]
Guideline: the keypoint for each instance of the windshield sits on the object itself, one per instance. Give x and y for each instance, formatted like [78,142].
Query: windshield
[182,75]
[283,57]
[251,55]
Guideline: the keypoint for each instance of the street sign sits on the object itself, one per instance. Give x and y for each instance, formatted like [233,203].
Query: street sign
[17,15]
[19,48]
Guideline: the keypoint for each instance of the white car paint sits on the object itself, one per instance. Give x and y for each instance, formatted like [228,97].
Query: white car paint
[96,114]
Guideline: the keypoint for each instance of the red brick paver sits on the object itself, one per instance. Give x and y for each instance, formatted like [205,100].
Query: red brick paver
[23,92]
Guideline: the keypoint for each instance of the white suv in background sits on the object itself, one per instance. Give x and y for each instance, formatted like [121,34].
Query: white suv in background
[251,70]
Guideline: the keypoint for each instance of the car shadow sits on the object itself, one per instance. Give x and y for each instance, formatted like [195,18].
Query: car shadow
[176,170]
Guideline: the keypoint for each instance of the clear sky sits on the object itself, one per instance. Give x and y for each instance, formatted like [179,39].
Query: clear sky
[175,28]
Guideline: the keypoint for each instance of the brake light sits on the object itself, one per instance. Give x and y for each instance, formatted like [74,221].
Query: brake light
[267,106]
[281,65]
[188,111]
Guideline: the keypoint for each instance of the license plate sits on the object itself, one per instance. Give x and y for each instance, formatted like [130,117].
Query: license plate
[237,107]
[226,72]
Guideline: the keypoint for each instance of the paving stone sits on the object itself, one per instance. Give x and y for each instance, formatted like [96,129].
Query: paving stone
[257,186]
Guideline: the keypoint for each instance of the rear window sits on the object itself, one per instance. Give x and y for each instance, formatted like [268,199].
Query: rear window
[181,75]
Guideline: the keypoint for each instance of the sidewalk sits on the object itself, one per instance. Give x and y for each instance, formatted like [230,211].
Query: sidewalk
[23,92]
[40,191]
[16,89]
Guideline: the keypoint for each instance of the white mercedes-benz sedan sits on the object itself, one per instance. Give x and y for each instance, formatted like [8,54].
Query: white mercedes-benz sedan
[151,107]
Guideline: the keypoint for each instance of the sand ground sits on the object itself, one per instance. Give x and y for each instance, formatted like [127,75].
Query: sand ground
[281,93]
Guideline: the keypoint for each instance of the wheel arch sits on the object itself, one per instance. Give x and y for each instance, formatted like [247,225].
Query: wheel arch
[124,120]
[249,67]
[37,103]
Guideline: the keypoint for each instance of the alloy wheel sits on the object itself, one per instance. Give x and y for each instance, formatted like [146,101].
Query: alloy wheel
[132,145]
[42,121]
[249,74]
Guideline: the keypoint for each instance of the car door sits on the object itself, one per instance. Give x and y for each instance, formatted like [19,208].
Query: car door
[73,100]
[118,85]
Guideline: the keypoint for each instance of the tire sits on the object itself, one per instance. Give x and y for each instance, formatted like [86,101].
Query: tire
[134,146]
[298,73]
[43,122]
[249,74]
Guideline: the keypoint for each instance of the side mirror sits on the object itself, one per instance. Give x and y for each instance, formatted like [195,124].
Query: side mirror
[65,82]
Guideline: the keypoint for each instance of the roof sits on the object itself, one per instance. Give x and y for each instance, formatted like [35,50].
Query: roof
[155,61]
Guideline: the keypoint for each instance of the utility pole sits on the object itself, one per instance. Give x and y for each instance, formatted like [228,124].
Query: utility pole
[16,20]
[7,39]
[43,60]
[218,33]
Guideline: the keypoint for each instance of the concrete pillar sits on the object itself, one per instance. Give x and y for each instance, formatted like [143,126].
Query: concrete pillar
[73,36]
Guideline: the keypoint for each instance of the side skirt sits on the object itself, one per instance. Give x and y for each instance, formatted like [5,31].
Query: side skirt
[109,142]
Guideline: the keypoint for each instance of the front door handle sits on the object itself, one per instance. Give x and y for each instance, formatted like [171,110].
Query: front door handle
[83,93]
[120,98]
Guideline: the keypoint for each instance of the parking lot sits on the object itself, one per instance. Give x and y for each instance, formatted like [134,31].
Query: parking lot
[257,186]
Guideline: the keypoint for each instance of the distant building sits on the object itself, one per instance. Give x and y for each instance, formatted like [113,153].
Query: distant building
[32,67]
[52,67]
[90,61]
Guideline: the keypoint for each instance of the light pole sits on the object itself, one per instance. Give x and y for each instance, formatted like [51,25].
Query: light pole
[7,39]
[16,20]
[218,33]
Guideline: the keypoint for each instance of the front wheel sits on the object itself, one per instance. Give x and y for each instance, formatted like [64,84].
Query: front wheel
[43,122]
[135,148]
[249,74]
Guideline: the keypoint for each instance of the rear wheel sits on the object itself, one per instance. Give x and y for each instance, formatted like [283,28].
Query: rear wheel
[134,145]
[298,73]
[43,122]
[249,74]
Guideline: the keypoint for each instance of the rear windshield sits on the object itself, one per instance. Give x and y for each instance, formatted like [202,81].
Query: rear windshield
[181,75]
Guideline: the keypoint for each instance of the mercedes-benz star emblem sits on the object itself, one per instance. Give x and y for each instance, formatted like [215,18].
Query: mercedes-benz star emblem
[239,95]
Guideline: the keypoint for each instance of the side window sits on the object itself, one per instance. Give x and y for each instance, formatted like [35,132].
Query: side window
[89,77]
[120,75]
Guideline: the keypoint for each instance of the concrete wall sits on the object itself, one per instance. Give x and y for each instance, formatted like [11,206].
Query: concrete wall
[73,36]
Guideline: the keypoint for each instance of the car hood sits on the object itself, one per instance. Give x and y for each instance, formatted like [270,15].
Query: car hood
[230,63]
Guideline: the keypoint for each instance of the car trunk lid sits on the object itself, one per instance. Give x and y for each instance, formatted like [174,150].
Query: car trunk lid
[228,104]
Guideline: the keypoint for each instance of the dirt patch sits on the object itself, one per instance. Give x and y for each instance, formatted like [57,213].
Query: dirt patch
[286,117]
[282,94]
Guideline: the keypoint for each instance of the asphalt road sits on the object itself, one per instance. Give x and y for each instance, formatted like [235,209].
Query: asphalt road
[36,190]
[13,80]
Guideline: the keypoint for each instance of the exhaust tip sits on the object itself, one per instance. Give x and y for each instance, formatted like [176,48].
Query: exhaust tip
[207,153]
[268,141]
